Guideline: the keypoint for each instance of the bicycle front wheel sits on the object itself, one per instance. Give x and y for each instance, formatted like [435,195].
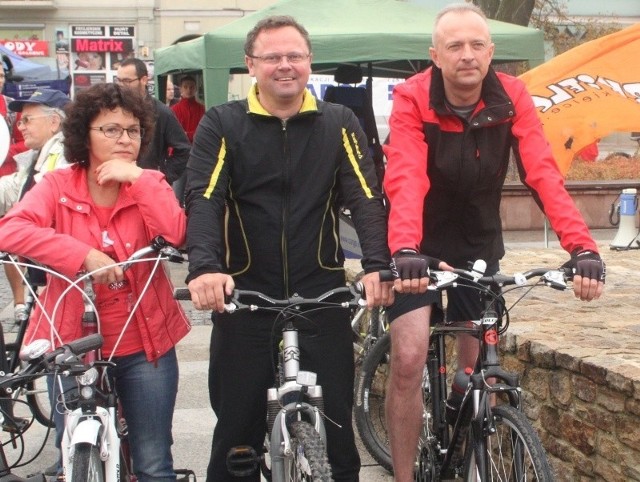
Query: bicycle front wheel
[308,461]
[87,466]
[371,385]
[37,396]
[512,453]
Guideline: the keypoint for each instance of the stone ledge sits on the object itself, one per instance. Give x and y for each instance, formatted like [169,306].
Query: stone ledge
[519,211]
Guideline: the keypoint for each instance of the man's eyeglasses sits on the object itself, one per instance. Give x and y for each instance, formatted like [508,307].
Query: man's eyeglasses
[120,81]
[113,131]
[26,119]
[275,59]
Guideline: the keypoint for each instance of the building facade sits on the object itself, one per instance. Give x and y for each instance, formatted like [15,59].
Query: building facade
[83,42]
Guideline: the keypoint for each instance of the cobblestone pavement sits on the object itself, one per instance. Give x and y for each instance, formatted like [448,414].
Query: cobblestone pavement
[603,332]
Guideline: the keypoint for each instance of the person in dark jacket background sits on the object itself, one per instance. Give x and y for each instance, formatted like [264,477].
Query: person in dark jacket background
[452,129]
[265,181]
[169,148]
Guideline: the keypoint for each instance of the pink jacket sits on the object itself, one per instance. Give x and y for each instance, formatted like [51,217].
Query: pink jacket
[54,225]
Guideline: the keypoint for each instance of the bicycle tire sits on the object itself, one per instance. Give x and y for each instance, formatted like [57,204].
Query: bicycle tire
[370,386]
[514,451]
[37,396]
[126,465]
[371,326]
[265,462]
[308,461]
[87,466]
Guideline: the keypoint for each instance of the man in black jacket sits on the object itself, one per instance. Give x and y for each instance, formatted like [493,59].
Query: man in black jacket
[169,149]
[265,181]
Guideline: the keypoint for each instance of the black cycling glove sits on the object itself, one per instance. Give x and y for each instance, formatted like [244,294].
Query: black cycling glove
[409,264]
[587,264]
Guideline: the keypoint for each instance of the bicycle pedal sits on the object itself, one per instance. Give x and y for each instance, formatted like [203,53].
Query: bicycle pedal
[185,475]
[243,460]
[15,424]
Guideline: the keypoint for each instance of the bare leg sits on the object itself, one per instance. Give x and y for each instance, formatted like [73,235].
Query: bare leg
[15,282]
[409,345]
[468,349]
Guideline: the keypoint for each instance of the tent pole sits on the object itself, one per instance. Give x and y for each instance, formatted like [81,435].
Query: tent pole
[370,82]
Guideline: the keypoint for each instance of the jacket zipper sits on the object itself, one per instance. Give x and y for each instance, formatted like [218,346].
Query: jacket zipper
[285,210]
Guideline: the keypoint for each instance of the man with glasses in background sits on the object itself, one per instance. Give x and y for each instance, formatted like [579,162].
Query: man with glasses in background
[40,125]
[169,149]
[41,128]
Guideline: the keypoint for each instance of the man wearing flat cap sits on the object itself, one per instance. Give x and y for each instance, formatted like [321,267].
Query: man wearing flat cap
[40,125]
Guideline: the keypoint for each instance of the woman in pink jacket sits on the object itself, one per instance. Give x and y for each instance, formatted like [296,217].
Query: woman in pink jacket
[84,218]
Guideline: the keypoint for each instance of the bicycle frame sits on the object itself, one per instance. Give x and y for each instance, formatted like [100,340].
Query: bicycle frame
[37,364]
[487,378]
[477,395]
[297,385]
[96,420]
[296,391]
[11,363]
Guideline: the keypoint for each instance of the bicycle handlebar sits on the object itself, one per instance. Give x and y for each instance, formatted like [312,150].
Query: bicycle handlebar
[262,301]
[39,362]
[554,278]
[158,245]
[236,303]
[183,294]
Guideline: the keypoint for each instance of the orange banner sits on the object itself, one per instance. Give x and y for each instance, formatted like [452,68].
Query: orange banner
[588,92]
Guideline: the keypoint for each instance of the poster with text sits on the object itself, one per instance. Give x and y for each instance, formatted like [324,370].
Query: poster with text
[97,51]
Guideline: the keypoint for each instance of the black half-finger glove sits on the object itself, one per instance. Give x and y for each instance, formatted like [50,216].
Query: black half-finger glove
[588,265]
[409,264]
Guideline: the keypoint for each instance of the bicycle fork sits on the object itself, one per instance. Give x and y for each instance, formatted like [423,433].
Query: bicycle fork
[97,429]
[296,397]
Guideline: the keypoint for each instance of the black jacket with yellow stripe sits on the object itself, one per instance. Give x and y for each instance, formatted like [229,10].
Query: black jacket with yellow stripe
[263,197]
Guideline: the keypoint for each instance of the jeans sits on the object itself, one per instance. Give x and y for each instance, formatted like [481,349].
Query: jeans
[147,392]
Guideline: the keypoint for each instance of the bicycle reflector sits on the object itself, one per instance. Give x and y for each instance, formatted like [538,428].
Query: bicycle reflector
[242,461]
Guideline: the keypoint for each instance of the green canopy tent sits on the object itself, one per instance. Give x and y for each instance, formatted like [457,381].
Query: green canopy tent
[389,37]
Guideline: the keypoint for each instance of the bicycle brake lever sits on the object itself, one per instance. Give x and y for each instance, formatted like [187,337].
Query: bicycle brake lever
[555,279]
[172,254]
[441,279]
[230,307]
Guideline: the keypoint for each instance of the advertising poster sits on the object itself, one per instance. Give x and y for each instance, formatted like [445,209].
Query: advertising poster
[96,52]
[63,58]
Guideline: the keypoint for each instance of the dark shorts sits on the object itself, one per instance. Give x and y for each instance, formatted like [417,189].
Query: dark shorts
[462,303]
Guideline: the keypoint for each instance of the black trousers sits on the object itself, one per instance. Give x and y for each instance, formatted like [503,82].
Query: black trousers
[243,346]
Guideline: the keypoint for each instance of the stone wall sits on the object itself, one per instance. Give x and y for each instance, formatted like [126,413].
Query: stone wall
[519,211]
[587,417]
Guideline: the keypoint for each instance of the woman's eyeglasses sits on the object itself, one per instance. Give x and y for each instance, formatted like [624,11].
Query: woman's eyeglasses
[113,131]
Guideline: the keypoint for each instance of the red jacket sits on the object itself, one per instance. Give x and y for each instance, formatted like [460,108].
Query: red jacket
[189,112]
[444,174]
[54,225]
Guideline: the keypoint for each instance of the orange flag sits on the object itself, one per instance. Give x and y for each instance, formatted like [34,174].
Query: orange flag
[588,92]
